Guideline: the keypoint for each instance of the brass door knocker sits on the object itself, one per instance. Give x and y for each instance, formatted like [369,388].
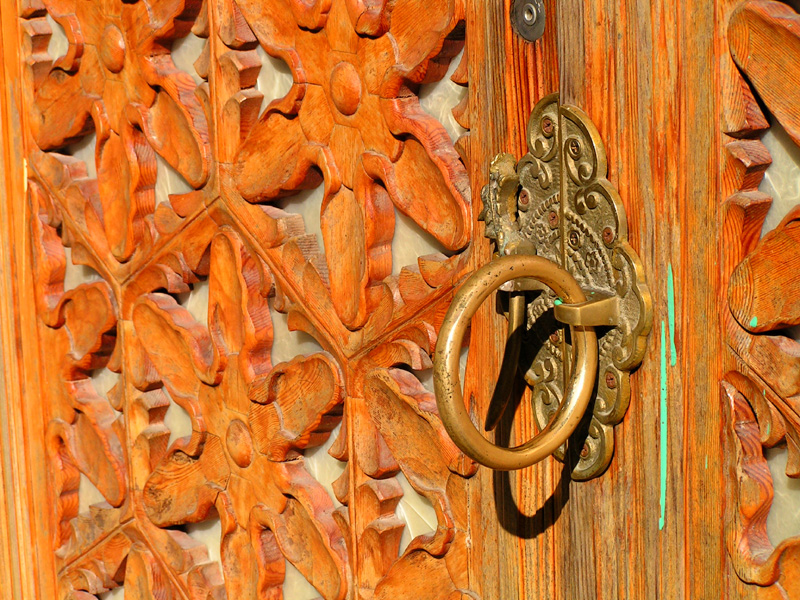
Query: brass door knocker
[560,233]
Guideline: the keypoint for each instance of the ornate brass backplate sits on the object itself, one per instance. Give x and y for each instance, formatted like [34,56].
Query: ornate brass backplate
[557,203]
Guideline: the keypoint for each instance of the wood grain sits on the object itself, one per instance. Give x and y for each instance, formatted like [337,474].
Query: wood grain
[764,38]
[26,564]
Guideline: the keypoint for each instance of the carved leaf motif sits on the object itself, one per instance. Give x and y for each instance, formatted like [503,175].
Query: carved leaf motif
[352,122]
[762,396]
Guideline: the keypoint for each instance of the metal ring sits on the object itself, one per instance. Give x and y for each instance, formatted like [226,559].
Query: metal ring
[449,397]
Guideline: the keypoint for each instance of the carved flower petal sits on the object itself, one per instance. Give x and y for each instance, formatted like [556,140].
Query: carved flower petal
[429,184]
[238,309]
[61,93]
[88,314]
[310,14]
[269,22]
[406,416]
[240,564]
[369,17]
[145,578]
[183,489]
[179,346]
[342,225]
[437,584]
[297,406]
[268,170]
[91,443]
[176,127]
[126,175]
[306,532]
[428,35]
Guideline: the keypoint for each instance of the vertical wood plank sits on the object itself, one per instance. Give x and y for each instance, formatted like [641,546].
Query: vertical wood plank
[511,514]
[648,76]
[26,562]
[650,86]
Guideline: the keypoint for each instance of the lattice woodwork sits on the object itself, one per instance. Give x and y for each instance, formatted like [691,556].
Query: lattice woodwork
[763,393]
[351,122]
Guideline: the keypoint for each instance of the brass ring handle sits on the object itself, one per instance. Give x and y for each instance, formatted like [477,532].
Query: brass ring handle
[447,385]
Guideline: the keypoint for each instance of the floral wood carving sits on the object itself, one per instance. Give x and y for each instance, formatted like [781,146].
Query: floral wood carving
[352,120]
[118,80]
[763,393]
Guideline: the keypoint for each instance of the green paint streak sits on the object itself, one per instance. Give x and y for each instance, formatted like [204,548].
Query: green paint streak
[673,353]
[769,428]
[754,322]
[558,302]
[663,432]
[706,463]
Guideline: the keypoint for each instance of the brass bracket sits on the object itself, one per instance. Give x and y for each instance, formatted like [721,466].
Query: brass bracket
[557,203]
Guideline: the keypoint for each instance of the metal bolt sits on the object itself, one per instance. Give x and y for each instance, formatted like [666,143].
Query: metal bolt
[528,18]
[611,380]
[554,337]
[530,14]
[574,239]
[585,451]
[608,235]
[524,197]
[552,218]
[574,148]
[547,125]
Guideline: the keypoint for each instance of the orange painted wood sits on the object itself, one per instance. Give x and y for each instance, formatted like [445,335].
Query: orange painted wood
[681,126]
[351,123]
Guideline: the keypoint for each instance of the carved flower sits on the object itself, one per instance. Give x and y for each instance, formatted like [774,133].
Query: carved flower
[352,119]
[117,77]
[250,422]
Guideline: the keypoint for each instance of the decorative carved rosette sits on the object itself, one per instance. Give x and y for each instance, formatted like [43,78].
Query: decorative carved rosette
[352,122]
[118,82]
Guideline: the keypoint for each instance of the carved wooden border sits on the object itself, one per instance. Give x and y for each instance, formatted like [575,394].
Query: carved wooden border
[760,392]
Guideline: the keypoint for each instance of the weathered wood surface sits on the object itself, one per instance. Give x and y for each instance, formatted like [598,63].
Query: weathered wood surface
[646,75]
[514,550]
[765,287]
[680,125]
[24,533]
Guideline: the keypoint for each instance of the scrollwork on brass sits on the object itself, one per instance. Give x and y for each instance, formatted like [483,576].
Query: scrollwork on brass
[557,203]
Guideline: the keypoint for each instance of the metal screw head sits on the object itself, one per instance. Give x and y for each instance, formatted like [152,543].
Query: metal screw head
[552,218]
[574,147]
[574,239]
[529,14]
[524,197]
[547,126]
[608,235]
[585,451]
[554,337]
[611,380]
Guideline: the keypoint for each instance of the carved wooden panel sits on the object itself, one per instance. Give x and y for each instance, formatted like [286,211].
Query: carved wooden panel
[762,392]
[352,123]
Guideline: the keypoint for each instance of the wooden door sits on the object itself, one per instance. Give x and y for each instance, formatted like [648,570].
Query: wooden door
[207,295]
